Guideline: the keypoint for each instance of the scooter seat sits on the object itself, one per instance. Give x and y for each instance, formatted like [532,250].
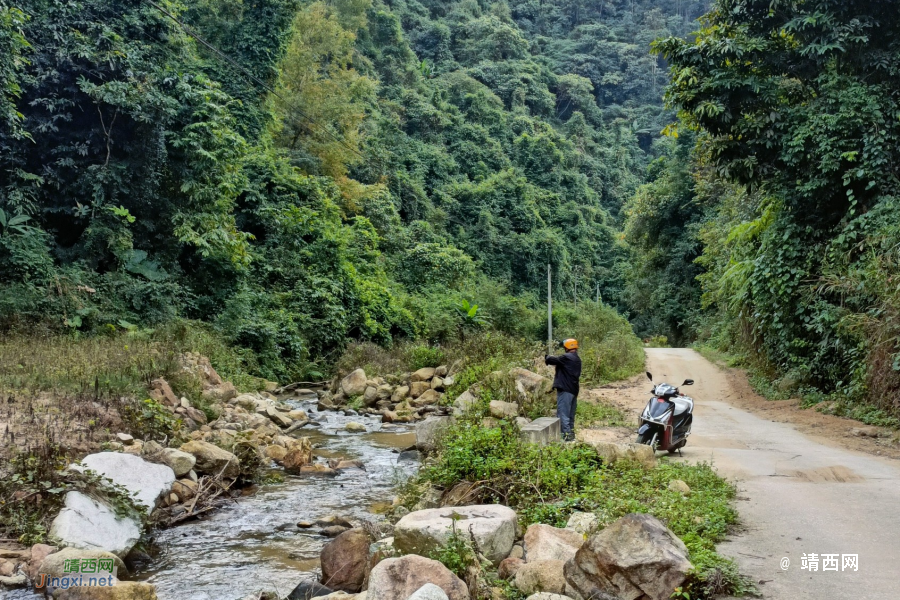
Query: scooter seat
[682,405]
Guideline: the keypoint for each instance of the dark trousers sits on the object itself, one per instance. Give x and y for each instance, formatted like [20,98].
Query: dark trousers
[565,412]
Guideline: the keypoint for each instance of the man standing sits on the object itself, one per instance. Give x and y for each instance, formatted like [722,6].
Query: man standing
[568,372]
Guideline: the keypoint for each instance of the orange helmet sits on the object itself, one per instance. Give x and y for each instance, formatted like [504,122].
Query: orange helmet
[570,344]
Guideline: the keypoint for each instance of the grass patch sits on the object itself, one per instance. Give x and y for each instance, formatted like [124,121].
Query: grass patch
[599,414]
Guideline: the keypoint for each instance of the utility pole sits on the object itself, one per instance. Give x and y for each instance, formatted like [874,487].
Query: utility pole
[549,311]
[598,294]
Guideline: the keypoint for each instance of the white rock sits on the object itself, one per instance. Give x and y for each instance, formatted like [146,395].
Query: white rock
[355,427]
[147,481]
[547,596]
[492,525]
[90,525]
[429,591]
[464,401]
[582,522]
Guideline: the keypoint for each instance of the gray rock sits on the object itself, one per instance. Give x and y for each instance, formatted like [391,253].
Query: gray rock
[423,374]
[543,431]
[493,526]
[54,564]
[543,542]
[541,576]
[430,431]
[306,590]
[635,557]
[400,578]
[90,525]
[504,410]
[409,455]
[464,401]
[582,522]
[429,591]
[14,581]
[354,384]
[547,596]
[213,460]
[180,462]
[147,481]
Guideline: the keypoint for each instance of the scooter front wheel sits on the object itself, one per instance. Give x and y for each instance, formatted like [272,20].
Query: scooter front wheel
[648,438]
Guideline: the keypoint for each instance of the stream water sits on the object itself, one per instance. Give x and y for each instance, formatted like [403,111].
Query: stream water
[253,544]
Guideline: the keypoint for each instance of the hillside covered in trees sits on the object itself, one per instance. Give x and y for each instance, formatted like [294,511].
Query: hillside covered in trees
[781,196]
[302,174]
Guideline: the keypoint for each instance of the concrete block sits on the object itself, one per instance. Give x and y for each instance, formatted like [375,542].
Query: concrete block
[542,431]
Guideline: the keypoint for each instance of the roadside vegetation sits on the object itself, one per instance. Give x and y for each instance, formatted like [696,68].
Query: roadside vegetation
[782,250]
[546,484]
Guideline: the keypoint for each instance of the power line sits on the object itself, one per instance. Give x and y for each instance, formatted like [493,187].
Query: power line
[187,29]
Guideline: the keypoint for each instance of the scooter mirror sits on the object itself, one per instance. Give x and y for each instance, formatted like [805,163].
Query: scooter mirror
[688,382]
[649,376]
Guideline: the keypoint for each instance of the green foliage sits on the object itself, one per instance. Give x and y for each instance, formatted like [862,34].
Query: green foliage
[151,420]
[413,156]
[457,553]
[788,191]
[420,355]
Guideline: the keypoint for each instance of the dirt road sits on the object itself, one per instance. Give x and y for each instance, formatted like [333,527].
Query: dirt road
[798,493]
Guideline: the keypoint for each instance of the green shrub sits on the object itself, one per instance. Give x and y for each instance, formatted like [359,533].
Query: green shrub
[418,356]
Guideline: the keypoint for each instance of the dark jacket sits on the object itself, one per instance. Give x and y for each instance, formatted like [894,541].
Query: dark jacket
[568,371]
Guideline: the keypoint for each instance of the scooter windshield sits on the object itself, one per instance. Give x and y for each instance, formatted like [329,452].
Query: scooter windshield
[658,407]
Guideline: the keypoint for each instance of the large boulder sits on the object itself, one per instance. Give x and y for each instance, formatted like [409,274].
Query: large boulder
[354,384]
[306,590]
[635,557]
[124,590]
[611,452]
[464,402]
[417,388]
[400,578]
[541,576]
[493,526]
[213,460]
[423,374]
[430,431]
[427,398]
[180,462]
[543,542]
[91,525]
[344,561]
[54,564]
[504,410]
[145,480]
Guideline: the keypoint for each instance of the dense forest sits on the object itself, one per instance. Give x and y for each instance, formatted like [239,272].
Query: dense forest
[781,196]
[301,174]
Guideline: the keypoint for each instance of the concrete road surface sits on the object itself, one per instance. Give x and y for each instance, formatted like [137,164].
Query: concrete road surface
[796,495]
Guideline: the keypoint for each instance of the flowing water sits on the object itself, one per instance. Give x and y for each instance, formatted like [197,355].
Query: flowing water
[253,544]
